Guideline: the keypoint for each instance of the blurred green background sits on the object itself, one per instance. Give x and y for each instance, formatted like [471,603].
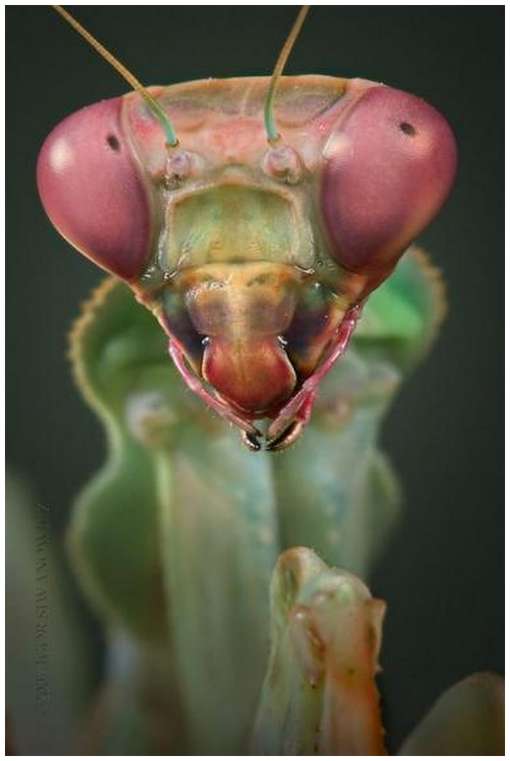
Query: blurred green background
[442,576]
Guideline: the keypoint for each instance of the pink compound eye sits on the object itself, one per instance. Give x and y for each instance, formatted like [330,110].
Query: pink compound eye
[390,164]
[93,191]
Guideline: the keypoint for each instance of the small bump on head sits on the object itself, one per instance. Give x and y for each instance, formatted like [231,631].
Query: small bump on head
[284,164]
[180,166]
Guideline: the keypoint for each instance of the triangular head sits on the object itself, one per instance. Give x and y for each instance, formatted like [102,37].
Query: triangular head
[255,258]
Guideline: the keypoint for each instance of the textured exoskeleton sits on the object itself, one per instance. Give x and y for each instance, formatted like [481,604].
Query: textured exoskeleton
[319,695]
[176,538]
[255,258]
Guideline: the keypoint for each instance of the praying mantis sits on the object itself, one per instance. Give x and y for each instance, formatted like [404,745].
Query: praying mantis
[259,232]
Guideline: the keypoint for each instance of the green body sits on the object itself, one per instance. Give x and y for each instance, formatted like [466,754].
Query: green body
[175,540]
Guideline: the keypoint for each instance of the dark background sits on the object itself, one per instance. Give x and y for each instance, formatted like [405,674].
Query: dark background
[443,574]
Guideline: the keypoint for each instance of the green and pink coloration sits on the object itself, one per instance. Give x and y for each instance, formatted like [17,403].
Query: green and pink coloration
[175,538]
[319,695]
[255,258]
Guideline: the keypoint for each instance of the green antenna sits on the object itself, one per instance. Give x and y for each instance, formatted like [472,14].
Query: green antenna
[161,116]
[271,130]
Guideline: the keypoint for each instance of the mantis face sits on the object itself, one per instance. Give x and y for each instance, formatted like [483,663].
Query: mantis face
[255,257]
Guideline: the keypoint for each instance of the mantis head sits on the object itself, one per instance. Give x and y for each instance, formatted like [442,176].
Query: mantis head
[255,249]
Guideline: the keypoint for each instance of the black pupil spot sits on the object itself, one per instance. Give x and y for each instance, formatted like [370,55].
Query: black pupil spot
[113,142]
[407,128]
